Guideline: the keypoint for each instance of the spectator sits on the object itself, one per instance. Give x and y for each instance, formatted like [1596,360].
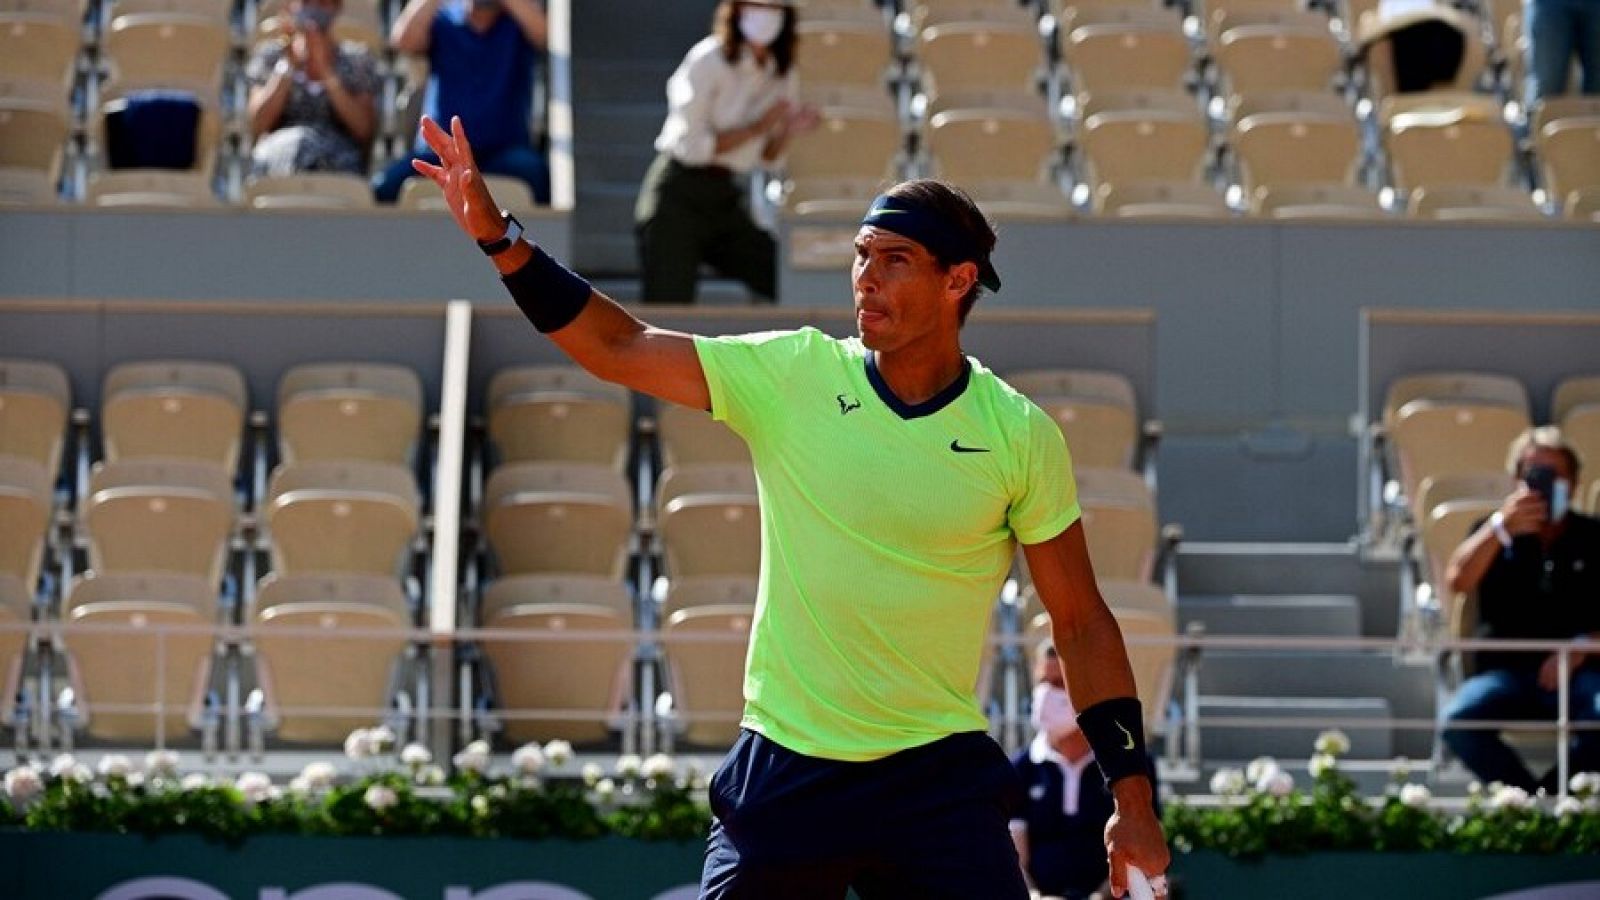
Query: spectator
[731,109]
[1557,31]
[1413,46]
[1535,566]
[1060,837]
[481,58]
[311,98]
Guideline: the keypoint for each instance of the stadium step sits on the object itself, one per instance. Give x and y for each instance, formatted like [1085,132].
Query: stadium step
[1221,569]
[1333,615]
[1221,741]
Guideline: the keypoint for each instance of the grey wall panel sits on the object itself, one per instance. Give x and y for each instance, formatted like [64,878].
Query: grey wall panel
[1233,489]
[34,254]
[68,334]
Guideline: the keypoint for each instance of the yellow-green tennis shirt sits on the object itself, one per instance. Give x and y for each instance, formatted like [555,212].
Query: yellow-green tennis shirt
[886,532]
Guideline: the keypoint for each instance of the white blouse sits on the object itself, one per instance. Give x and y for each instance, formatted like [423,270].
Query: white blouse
[707,95]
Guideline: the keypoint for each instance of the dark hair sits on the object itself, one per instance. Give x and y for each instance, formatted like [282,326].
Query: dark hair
[954,206]
[725,25]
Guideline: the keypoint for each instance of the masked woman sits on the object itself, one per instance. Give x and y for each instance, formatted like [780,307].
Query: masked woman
[311,104]
[731,109]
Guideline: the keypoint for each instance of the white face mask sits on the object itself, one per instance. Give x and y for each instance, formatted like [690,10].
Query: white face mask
[1560,499]
[760,25]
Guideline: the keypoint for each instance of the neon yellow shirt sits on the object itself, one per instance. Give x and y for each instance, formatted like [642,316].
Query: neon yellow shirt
[886,532]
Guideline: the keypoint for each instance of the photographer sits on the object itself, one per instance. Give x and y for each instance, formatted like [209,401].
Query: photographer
[481,60]
[1535,566]
[311,98]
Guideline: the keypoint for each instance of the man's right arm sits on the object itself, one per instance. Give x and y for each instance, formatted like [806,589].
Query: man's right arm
[613,345]
[1522,513]
[412,27]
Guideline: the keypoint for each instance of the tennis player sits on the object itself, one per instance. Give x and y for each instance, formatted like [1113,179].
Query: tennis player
[896,476]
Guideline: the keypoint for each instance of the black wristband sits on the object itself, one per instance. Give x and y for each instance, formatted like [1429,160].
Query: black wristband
[1115,729]
[548,293]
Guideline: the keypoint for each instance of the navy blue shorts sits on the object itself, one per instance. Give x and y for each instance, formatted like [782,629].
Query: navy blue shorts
[926,823]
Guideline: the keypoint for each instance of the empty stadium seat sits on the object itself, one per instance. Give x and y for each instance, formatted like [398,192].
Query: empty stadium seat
[349,411]
[1472,388]
[342,517]
[854,151]
[1275,50]
[143,46]
[843,45]
[559,517]
[151,189]
[174,409]
[1443,438]
[34,400]
[1316,201]
[1096,411]
[568,689]
[1160,200]
[35,121]
[1576,408]
[1583,205]
[159,515]
[119,676]
[1294,138]
[16,602]
[216,10]
[1010,199]
[1474,204]
[1445,140]
[708,675]
[558,413]
[992,137]
[709,520]
[1119,522]
[318,689]
[510,192]
[1143,136]
[311,190]
[1568,139]
[708,590]
[1125,48]
[26,500]
[26,187]
[590,590]
[690,436]
[1571,393]
[966,47]
[38,41]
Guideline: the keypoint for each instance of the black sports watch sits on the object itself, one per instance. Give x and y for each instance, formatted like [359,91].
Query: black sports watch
[504,242]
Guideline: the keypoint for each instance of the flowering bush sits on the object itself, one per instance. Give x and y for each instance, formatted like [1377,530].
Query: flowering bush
[389,793]
[1261,811]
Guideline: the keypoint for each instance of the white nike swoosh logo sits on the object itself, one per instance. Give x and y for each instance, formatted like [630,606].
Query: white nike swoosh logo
[1125,733]
[883,211]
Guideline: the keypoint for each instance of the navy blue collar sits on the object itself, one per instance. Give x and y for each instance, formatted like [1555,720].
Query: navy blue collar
[916,410]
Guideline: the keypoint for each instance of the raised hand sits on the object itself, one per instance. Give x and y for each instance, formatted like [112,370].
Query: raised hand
[457,176]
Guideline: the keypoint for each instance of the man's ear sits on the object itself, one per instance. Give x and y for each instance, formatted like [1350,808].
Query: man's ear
[962,277]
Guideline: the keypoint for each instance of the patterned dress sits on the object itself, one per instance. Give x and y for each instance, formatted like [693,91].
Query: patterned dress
[309,136]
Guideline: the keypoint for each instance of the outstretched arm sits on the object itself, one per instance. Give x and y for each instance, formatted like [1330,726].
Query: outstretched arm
[1095,662]
[604,338]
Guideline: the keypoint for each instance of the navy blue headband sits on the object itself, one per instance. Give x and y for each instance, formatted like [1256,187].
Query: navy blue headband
[907,219]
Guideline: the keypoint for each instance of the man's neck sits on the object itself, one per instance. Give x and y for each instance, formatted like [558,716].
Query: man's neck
[916,375]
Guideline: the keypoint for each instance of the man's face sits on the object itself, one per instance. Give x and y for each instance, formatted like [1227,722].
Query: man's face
[901,292]
[1551,459]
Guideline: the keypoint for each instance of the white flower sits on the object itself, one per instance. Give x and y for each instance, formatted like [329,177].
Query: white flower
[161,762]
[605,788]
[592,773]
[628,765]
[1321,764]
[1333,743]
[358,745]
[474,757]
[1475,788]
[380,797]
[115,765]
[299,786]
[415,755]
[255,786]
[381,740]
[480,805]
[659,765]
[1416,796]
[319,776]
[1569,806]
[559,753]
[78,774]
[135,779]
[1260,769]
[1508,797]
[1227,782]
[23,784]
[1585,784]
[1278,783]
[61,765]
[195,782]
[528,759]
[430,775]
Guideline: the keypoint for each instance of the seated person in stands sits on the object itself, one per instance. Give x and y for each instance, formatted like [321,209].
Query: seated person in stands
[1535,565]
[312,106]
[1060,832]
[481,60]
[1413,46]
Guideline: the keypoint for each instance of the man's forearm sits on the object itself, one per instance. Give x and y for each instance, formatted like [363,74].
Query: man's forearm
[1093,657]
[410,31]
[530,18]
[1472,560]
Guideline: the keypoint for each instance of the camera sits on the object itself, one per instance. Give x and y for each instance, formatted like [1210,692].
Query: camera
[1542,481]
